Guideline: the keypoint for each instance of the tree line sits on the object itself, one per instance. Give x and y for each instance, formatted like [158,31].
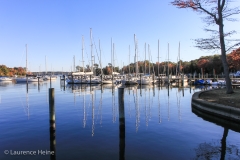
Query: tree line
[205,64]
[6,71]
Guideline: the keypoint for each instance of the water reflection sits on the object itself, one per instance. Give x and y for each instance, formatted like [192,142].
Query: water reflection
[220,149]
[89,123]
[5,83]
[140,100]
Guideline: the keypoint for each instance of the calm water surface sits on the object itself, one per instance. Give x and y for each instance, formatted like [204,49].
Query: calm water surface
[157,126]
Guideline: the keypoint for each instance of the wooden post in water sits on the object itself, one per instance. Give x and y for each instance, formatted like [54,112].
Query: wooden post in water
[168,89]
[64,82]
[161,79]
[153,78]
[112,79]
[52,125]
[50,81]
[190,87]
[38,83]
[140,85]
[183,92]
[153,90]
[27,87]
[101,88]
[182,80]
[121,123]
[72,78]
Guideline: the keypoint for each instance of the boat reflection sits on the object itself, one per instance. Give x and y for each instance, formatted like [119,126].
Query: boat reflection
[5,83]
[141,101]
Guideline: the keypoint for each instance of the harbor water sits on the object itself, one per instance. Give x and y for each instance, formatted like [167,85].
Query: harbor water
[155,122]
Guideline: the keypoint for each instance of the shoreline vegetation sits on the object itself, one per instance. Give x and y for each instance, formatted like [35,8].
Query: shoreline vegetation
[10,72]
[205,64]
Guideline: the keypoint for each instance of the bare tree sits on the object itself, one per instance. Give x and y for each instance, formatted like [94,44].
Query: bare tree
[216,11]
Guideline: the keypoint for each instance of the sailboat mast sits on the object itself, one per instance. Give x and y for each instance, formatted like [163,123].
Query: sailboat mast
[168,62]
[100,57]
[82,53]
[149,59]
[136,54]
[129,62]
[113,59]
[179,58]
[74,63]
[111,56]
[45,65]
[158,58]
[177,67]
[26,60]
[145,60]
[91,49]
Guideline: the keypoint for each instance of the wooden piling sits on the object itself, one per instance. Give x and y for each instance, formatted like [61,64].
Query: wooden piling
[168,89]
[153,78]
[121,123]
[140,79]
[64,78]
[52,125]
[50,81]
[38,83]
[182,80]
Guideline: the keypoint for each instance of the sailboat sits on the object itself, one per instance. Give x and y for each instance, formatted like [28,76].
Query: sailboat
[131,80]
[111,79]
[27,79]
[92,79]
[47,77]
[145,80]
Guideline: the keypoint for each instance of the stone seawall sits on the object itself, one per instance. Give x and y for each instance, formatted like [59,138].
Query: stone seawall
[223,111]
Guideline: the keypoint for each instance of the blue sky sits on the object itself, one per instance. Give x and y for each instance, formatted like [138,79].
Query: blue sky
[55,28]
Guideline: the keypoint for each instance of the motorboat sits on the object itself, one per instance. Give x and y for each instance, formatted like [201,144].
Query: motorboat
[5,79]
[145,80]
[199,82]
[129,81]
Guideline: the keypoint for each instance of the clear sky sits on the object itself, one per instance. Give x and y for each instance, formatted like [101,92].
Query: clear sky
[54,28]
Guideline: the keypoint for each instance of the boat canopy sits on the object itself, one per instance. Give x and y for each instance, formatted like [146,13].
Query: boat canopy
[88,73]
[116,73]
[78,73]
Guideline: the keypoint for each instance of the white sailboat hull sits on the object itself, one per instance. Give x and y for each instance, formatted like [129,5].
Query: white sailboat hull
[108,82]
[5,79]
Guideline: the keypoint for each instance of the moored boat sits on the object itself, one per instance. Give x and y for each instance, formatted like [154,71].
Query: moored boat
[5,79]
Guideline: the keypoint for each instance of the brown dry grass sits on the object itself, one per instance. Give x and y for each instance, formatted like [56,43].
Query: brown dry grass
[219,96]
